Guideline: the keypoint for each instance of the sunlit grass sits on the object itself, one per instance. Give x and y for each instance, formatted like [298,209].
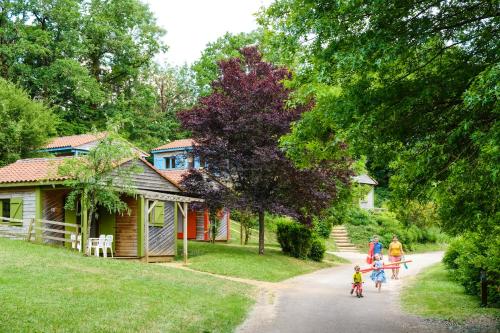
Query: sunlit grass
[434,294]
[244,261]
[44,289]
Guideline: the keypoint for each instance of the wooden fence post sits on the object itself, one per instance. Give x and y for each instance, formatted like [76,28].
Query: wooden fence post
[30,230]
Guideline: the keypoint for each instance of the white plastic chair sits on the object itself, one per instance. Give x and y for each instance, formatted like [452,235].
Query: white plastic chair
[79,243]
[73,241]
[99,246]
[76,242]
[108,244]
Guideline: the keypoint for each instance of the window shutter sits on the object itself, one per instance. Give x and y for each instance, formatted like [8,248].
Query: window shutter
[159,162]
[180,162]
[16,209]
[159,214]
[1,211]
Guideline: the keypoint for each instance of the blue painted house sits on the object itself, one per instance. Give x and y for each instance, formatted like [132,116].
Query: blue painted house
[174,160]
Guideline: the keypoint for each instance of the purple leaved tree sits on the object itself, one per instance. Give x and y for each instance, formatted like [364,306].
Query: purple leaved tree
[237,129]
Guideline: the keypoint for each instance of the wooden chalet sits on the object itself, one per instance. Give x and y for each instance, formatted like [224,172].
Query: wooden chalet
[32,199]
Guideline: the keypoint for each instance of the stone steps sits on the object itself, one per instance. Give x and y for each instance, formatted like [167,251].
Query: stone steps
[342,241]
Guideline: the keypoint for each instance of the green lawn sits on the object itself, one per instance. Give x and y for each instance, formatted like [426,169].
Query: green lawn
[269,236]
[45,289]
[244,262]
[434,294]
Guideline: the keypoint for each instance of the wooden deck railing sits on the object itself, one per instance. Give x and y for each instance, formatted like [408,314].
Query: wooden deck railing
[40,230]
[54,232]
[12,228]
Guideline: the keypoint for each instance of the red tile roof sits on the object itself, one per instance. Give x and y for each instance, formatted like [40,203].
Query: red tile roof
[174,175]
[74,140]
[45,169]
[32,170]
[176,144]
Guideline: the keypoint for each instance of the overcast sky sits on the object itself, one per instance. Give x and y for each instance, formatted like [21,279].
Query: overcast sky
[191,24]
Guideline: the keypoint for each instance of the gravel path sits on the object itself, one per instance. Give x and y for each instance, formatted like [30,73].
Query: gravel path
[320,302]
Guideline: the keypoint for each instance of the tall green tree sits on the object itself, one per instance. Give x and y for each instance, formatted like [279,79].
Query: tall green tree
[77,55]
[206,68]
[412,85]
[25,124]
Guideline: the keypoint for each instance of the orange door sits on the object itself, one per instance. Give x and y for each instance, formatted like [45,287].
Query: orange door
[191,226]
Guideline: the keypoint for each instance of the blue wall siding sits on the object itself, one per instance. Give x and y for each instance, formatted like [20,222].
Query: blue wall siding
[159,162]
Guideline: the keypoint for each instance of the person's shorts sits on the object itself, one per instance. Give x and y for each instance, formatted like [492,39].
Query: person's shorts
[394,258]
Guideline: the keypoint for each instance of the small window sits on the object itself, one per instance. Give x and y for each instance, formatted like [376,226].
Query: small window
[170,162]
[5,208]
[157,215]
[13,209]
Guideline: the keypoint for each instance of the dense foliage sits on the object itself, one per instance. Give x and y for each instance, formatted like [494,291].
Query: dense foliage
[25,124]
[91,61]
[472,253]
[237,128]
[206,68]
[299,241]
[413,85]
[363,225]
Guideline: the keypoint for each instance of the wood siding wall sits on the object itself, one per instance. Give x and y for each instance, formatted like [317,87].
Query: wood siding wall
[200,225]
[162,239]
[53,210]
[28,196]
[149,179]
[126,231]
[224,224]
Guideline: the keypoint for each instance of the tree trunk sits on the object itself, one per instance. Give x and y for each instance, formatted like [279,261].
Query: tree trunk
[247,235]
[261,232]
[241,233]
[90,217]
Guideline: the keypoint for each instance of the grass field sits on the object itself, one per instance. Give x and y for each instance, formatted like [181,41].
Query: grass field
[44,289]
[269,236]
[244,261]
[434,294]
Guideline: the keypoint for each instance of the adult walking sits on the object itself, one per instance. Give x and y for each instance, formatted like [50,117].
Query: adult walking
[395,255]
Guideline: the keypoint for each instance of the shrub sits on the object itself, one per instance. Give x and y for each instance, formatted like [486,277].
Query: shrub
[472,253]
[430,235]
[362,225]
[294,238]
[323,227]
[358,216]
[273,220]
[318,249]
[452,253]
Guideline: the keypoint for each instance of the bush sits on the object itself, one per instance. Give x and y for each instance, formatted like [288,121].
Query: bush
[295,239]
[452,253]
[472,253]
[323,227]
[318,249]
[362,225]
[272,221]
[358,216]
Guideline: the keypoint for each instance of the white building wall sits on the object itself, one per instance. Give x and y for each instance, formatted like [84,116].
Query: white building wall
[368,202]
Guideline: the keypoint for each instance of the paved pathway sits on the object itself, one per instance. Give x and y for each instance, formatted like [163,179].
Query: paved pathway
[320,302]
